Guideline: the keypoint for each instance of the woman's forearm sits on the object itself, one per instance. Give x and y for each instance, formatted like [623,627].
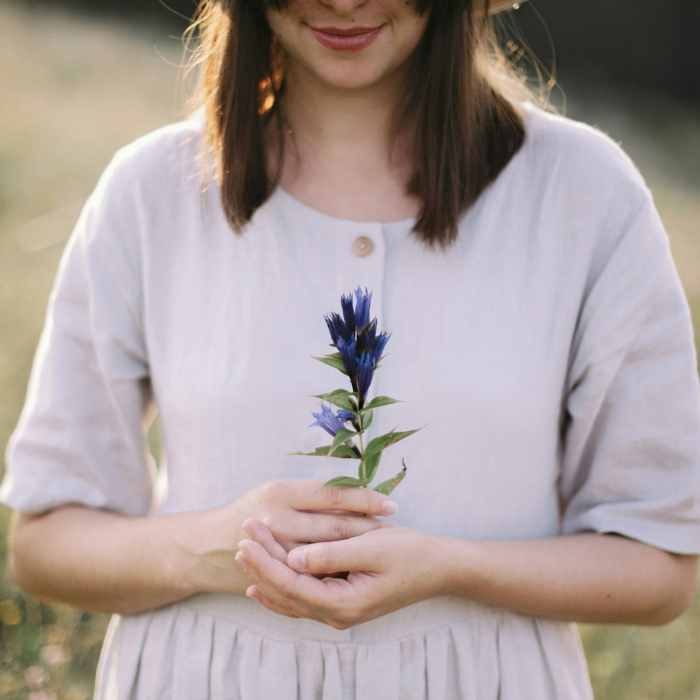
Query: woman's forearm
[586,577]
[105,562]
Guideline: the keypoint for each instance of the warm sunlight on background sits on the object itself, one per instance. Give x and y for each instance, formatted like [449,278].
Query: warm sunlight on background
[76,87]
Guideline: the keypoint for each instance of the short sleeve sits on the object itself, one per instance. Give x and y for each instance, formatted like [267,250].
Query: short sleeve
[81,437]
[631,428]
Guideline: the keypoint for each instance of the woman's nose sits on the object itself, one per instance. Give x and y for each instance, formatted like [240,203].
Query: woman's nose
[343,7]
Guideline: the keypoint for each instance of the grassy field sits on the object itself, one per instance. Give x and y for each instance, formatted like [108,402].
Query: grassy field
[77,90]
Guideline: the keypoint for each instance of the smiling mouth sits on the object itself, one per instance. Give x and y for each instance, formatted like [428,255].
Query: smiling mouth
[354,39]
[335,31]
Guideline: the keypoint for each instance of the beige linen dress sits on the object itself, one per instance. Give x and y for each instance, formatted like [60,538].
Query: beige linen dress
[548,357]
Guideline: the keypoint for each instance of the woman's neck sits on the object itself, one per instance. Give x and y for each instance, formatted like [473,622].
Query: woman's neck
[338,130]
[337,158]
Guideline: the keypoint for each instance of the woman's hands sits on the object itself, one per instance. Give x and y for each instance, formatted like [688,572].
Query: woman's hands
[389,568]
[295,511]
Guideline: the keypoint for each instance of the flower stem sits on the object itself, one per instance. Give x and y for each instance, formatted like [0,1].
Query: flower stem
[359,434]
[360,428]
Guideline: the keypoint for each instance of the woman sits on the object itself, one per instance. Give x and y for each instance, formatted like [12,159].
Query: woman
[540,335]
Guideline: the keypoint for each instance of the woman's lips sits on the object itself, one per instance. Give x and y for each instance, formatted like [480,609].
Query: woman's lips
[355,41]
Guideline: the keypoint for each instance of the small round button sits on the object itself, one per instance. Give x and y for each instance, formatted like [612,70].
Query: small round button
[362,246]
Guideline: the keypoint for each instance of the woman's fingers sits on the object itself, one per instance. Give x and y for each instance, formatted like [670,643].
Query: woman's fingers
[249,559]
[275,578]
[354,554]
[317,527]
[312,494]
[258,531]
[276,544]
[255,592]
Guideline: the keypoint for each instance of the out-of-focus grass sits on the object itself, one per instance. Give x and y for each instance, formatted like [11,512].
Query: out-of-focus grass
[75,91]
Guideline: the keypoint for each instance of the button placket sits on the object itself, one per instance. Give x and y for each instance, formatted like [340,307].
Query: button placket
[362,246]
[364,264]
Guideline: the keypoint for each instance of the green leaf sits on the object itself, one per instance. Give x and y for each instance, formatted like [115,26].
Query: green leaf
[356,454]
[334,360]
[378,401]
[341,437]
[367,420]
[386,487]
[373,451]
[382,441]
[342,451]
[339,397]
[370,462]
[318,452]
[345,481]
[345,452]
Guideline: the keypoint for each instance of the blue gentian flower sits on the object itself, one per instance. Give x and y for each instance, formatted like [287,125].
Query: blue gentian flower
[359,350]
[348,314]
[330,421]
[348,350]
[362,304]
[356,339]
[365,370]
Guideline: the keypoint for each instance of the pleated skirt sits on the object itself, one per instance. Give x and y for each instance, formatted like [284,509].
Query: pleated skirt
[230,647]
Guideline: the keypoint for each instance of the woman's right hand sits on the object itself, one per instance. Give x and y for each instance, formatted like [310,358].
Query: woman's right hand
[295,511]
[302,511]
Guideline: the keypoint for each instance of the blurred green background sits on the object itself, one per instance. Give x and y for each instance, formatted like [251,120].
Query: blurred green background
[79,80]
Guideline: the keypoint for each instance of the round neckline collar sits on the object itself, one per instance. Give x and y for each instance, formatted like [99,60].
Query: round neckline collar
[529,112]
[311,211]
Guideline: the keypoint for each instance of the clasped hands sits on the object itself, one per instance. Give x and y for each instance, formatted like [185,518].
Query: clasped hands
[387,568]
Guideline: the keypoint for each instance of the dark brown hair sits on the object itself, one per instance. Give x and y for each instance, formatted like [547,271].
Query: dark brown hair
[462,97]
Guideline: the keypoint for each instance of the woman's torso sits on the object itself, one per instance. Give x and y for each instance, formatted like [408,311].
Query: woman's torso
[478,356]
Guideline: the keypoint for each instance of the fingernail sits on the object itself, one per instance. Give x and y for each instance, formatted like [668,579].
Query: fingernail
[297,558]
[389,507]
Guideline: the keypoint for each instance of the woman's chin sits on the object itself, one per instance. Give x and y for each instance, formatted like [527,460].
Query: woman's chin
[350,77]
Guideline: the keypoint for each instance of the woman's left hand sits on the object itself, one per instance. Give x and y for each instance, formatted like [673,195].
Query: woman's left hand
[389,568]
